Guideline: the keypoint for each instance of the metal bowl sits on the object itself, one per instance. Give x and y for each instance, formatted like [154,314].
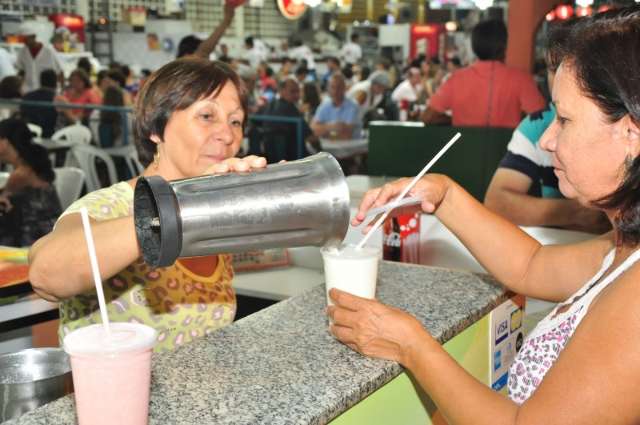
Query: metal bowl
[33,377]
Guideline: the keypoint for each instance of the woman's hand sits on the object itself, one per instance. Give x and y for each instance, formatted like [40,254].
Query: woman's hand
[374,329]
[237,165]
[432,188]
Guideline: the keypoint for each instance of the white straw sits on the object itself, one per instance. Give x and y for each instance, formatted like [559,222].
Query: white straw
[94,268]
[407,189]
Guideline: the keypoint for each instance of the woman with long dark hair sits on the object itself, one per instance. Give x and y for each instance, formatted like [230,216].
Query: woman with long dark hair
[29,201]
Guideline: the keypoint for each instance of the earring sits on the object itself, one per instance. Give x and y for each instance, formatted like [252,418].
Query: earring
[156,159]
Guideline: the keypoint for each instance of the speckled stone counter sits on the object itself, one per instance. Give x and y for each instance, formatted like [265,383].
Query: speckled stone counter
[281,365]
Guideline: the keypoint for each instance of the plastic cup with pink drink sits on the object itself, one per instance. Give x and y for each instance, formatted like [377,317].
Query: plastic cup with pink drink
[350,269]
[111,372]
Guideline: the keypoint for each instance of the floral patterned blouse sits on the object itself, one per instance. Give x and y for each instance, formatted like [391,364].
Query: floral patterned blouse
[546,341]
[179,302]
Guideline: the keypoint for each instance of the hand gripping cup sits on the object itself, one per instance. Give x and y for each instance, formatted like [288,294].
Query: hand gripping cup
[351,270]
[111,373]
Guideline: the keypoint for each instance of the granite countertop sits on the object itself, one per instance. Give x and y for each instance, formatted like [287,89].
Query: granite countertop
[282,366]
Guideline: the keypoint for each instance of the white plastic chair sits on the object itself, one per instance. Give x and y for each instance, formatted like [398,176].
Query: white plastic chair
[86,156]
[76,134]
[36,130]
[130,156]
[68,184]
[4,176]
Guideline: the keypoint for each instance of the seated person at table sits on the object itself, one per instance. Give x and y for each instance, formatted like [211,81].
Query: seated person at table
[527,170]
[337,117]
[45,117]
[110,124]
[580,364]
[79,92]
[189,122]
[373,97]
[29,204]
[280,139]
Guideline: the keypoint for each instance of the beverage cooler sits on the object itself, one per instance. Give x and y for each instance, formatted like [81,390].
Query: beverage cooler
[426,39]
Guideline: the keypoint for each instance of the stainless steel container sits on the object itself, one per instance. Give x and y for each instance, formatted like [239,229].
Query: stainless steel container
[304,202]
[31,378]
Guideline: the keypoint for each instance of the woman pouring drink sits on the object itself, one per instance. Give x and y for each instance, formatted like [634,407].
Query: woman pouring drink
[580,364]
[189,120]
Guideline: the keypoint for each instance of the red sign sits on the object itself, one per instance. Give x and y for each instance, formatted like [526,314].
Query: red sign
[292,9]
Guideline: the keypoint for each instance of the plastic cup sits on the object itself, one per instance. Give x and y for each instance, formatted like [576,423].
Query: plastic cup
[351,270]
[111,375]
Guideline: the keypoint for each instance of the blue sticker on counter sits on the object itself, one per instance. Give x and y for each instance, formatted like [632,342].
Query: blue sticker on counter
[497,360]
[501,382]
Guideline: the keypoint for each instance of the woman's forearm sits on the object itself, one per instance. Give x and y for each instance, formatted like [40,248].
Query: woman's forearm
[59,264]
[513,257]
[460,397]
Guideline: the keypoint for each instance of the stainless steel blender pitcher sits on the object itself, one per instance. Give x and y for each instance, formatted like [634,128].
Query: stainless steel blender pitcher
[304,202]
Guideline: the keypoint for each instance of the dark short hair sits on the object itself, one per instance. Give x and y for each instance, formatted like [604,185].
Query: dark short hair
[113,96]
[16,131]
[11,87]
[604,56]
[311,94]
[84,63]
[249,41]
[347,71]
[489,40]
[101,75]
[48,78]
[365,72]
[175,87]
[118,77]
[282,84]
[355,37]
[334,60]
[80,73]
[188,45]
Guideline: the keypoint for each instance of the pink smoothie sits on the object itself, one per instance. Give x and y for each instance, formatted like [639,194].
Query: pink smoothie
[111,375]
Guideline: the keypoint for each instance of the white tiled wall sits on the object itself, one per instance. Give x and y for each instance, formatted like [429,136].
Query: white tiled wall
[265,22]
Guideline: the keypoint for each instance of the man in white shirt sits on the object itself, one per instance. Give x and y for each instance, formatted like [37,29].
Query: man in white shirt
[301,52]
[351,52]
[254,55]
[34,57]
[6,64]
[410,89]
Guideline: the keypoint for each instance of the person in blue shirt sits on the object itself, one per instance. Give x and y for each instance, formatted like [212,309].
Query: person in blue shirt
[337,117]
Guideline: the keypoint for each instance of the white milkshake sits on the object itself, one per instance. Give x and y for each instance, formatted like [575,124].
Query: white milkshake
[351,270]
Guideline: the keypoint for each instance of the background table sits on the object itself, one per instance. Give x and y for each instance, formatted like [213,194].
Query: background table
[343,149]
